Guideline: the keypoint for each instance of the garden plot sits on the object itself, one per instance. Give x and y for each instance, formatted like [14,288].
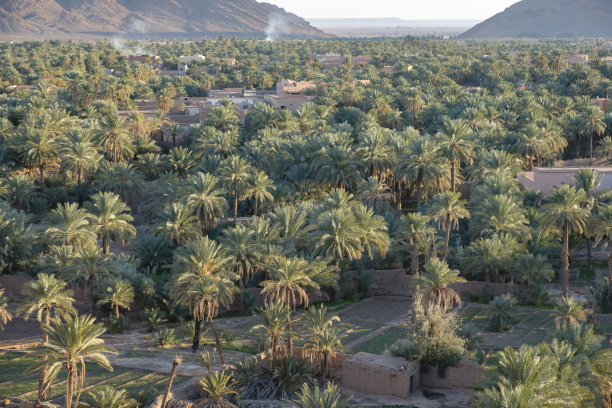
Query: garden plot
[17,378]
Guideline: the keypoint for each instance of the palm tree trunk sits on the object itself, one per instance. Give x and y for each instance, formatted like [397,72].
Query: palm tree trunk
[419,190]
[241,291]
[289,337]
[41,170]
[591,149]
[69,387]
[116,309]
[414,261]
[105,245]
[432,247]
[235,204]
[255,207]
[452,176]
[81,381]
[91,297]
[175,364]
[610,268]
[42,395]
[115,149]
[196,335]
[565,261]
[214,330]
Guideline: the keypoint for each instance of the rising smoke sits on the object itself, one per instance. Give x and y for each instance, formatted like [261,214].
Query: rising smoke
[136,26]
[277,25]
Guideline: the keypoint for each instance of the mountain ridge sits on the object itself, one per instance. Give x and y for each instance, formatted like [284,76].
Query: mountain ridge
[547,19]
[91,18]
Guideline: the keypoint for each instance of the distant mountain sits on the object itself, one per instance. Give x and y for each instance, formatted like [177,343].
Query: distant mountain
[133,18]
[546,19]
[324,23]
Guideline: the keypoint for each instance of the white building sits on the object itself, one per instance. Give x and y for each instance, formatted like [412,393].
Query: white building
[186,59]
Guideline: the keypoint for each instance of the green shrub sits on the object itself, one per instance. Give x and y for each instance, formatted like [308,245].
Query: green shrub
[229,336]
[115,325]
[501,312]
[153,318]
[166,338]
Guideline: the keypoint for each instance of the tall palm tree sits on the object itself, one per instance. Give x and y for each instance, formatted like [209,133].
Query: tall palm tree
[372,230]
[110,218]
[337,235]
[205,198]
[90,265]
[114,132]
[563,209]
[455,145]
[79,154]
[70,225]
[323,347]
[17,189]
[5,315]
[375,194]
[260,187]
[240,243]
[70,345]
[601,225]
[569,311]
[433,284]
[423,161]
[447,209]
[38,148]
[118,294]
[414,229]
[593,122]
[499,214]
[604,148]
[236,173]
[178,224]
[588,180]
[121,178]
[175,130]
[46,296]
[203,281]
[287,284]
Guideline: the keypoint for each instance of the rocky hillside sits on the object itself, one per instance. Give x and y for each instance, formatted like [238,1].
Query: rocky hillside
[547,19]
[102,18]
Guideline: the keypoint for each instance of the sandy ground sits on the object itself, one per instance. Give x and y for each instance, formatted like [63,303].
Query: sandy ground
[455,398]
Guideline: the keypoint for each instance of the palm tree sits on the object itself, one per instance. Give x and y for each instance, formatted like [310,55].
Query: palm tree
[70,345]
[372,230]
[239,241]
[236,173]
[588,180]
[109,397]
[337,235]
[39,149]
[447,209]
[205,199]
[79,154]
[17,189]
[90,264]
[70,225]
[455,145]
[330,397]
[176,362]
[564,210]
[287,283]
[433,284]
[178,224]
[218,388]
[274,320]
[593,122]
[499,214]
[5,315]
[110,219]
[422,162]
[569,311]
[114,132]
[601,225]
[175,129]
[202,280]
[118,293]
[604,148]
[375,194]
[323,347]
[413,228]
[122,179]
[181,160]
[260,187]
[46,296]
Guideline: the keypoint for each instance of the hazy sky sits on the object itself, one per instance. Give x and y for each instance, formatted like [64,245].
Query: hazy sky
[406,9]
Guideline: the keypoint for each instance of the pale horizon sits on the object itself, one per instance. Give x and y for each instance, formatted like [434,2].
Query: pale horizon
[404,9]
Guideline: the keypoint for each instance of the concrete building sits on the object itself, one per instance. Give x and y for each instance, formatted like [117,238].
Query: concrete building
[145,59]
[288,87]
[545,179]
[289,102]
[186,59]
[577,59]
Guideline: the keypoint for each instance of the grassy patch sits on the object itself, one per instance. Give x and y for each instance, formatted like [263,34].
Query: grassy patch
[379,344]
[534,338]
[469,315]
[537,320]
[353,332]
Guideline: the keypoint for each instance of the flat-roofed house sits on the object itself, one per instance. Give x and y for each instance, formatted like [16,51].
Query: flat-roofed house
[545,179]
[577,59]
[186,59]
[288,87]
[601,103]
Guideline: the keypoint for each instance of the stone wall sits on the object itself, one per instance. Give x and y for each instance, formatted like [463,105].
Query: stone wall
[465,375]
[380,375]
[12,284]
[474,288]
[393,282]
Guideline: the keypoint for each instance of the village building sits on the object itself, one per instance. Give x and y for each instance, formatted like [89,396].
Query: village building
[544,179]
[602,103]
[577,59]
[186,59]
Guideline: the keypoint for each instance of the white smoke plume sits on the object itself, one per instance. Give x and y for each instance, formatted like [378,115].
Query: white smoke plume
[277,25]
[137,26]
